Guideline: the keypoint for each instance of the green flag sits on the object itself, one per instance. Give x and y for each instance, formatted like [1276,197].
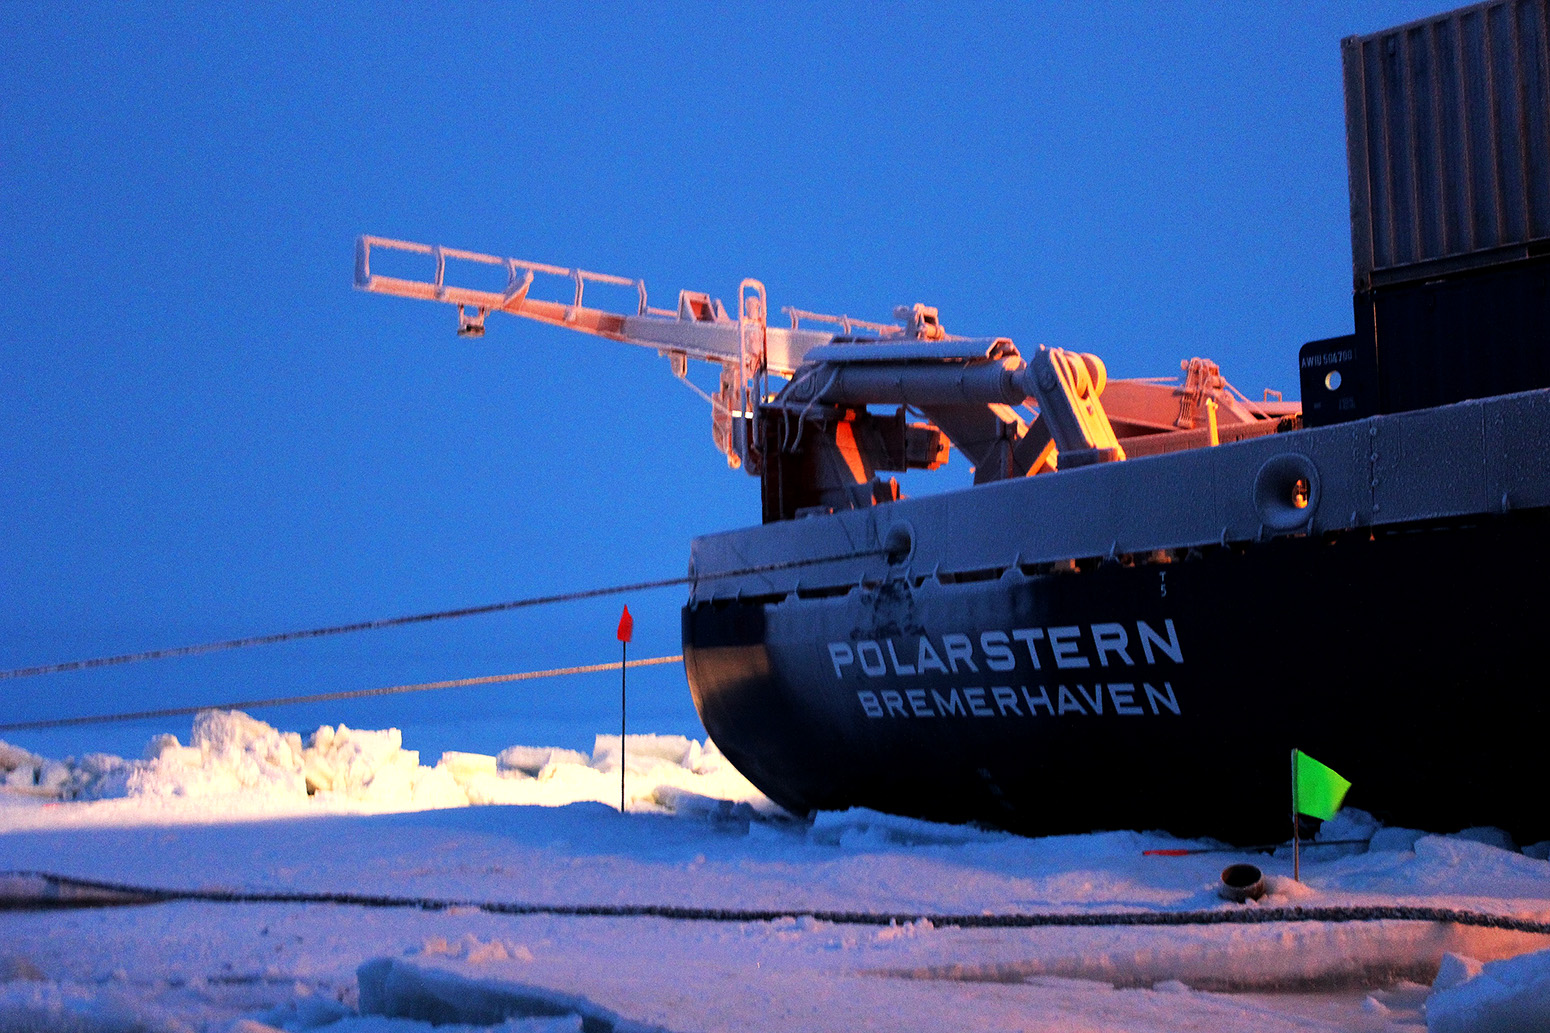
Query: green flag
[1317,790]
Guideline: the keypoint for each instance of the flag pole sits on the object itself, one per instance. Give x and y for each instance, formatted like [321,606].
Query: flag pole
[624,666]
[626,632]
[1296,841]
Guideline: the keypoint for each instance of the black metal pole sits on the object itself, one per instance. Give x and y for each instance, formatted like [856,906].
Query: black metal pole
[1296,838]
[623,667]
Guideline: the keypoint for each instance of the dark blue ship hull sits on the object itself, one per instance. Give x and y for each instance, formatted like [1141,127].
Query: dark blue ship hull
[1157,694]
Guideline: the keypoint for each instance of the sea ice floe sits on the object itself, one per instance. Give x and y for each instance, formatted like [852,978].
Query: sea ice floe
[394,988]
[1507,996]
[233,755]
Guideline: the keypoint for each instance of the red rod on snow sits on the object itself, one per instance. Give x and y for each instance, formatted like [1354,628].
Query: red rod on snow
[626,630]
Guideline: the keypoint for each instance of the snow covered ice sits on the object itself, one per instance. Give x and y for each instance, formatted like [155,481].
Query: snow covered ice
[245,806]
[251,767]
[1500,997]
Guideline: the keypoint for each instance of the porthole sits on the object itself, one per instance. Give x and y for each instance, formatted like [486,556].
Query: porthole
[1286,492]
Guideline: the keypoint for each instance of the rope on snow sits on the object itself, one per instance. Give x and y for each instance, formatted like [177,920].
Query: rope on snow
[61,891]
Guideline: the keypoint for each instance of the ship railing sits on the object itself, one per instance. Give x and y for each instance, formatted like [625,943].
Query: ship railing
[848,323]
[519,278]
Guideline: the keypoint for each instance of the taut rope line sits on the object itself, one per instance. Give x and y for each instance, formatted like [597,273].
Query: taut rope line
[417,618]
[280,701]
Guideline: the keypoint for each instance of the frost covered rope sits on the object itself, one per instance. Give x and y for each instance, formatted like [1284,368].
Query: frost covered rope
[418,618]
[320,697]
[60,891]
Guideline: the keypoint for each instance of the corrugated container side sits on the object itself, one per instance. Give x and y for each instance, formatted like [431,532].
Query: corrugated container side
[1448,138]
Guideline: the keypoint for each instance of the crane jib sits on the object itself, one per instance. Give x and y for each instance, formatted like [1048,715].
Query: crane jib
[819,438]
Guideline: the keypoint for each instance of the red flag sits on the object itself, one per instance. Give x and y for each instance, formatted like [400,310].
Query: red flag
[626,625]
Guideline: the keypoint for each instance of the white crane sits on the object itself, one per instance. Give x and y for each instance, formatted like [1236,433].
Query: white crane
[815,440]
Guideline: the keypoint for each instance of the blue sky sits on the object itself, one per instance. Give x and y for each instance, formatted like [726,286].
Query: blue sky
[207,433]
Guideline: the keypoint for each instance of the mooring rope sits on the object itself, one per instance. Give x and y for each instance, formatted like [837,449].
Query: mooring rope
[419,618]
[69,892]
[320,697]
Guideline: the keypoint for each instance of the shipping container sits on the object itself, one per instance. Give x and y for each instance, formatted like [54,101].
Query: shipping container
[1448,141]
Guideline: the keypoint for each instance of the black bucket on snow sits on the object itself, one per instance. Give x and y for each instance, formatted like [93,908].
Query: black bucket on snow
[1242,882]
